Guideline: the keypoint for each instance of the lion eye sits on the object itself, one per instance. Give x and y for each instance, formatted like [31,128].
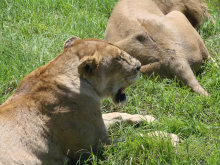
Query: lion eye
[119,58]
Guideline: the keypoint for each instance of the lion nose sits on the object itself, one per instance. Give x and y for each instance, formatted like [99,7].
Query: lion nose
[138,67]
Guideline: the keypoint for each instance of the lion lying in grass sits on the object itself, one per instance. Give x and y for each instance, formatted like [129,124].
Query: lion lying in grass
[56,108]
[161,37]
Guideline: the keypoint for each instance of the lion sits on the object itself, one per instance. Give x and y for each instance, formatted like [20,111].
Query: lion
[55,110]
[161,38]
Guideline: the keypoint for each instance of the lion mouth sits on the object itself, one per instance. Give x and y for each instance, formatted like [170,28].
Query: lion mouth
[120,97]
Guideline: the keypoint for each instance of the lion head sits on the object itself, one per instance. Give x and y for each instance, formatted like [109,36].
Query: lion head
[106,67]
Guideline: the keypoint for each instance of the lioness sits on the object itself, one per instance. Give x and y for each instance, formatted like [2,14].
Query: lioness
[56,108]
[164,42]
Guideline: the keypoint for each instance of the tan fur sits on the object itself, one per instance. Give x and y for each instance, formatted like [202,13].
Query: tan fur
[194,10]
[56,108]
[118,117]
[165,42]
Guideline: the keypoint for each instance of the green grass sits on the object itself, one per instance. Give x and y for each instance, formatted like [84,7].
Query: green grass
[33,32]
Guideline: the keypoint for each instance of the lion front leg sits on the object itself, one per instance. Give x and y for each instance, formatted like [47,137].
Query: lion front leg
[181,69]
[149,69]
[117,117]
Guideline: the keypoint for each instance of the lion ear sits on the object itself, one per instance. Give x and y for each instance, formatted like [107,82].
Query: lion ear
[88,66]
[70,41]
